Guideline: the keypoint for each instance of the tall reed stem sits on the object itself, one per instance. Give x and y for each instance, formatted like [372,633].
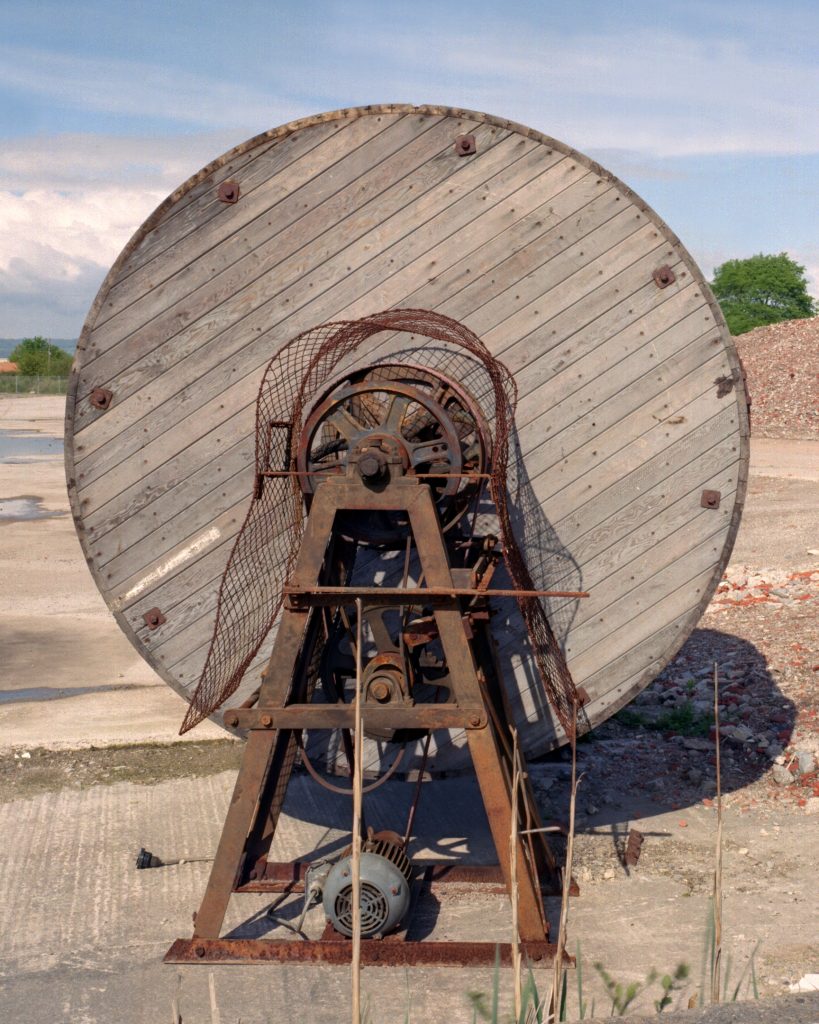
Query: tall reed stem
[560,952]
[358,776]
[716,963]
[513,874]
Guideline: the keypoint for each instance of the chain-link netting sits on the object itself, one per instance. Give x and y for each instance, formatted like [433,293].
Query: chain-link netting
[265,551]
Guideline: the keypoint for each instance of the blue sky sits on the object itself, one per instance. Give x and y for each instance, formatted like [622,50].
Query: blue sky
[710,110]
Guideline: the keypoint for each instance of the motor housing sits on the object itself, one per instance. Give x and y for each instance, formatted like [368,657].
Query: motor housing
[386,879]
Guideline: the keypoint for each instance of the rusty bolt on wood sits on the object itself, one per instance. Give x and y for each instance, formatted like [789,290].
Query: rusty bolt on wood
[154,618]
[664,276]
[710,499]
[229,192]
[465,145]
[232,720]
[266,721]
[101,398]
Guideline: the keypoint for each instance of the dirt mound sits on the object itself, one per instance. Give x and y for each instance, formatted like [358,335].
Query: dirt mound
[782,366]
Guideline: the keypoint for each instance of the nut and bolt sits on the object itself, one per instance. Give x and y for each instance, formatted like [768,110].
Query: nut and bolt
[664,276]
[710,499]
[372,466]
[229,192]
[380,690]
[154,618]
[266,721]
[101,398]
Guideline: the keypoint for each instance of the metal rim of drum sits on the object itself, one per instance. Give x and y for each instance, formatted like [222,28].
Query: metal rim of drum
[229,166]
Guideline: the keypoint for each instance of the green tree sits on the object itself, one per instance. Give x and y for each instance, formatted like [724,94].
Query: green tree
[36,357]
[762,290]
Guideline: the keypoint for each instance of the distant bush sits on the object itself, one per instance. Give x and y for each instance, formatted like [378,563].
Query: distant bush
[37,357]
[762,290]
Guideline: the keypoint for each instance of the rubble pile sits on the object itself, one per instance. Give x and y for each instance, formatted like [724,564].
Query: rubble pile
[782,369]
[762,630]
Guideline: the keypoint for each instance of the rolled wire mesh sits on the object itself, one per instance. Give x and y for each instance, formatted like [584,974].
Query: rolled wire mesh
[265,551]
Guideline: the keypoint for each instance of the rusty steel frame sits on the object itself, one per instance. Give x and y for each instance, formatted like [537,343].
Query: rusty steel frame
[478,704]
[374,952]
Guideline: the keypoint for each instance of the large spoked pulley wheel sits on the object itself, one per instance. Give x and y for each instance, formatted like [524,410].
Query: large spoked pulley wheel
[420,422]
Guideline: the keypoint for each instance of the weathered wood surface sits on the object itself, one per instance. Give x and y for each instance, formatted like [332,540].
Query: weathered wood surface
[542,253]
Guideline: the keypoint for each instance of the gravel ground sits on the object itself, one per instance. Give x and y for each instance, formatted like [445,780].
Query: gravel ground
[782,367]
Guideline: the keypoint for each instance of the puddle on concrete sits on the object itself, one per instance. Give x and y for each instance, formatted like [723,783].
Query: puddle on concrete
[35,694]
[20,446]
[24,508]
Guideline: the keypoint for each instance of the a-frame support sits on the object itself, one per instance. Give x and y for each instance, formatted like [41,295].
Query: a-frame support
[477,704]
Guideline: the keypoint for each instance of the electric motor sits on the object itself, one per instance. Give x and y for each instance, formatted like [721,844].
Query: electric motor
[386,876]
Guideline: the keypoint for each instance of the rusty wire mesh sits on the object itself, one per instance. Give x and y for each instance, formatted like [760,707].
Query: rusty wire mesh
[265,551]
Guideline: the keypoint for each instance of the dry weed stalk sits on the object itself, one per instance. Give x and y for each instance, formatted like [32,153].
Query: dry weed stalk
[358,769]
[716,963]
[557,982]
[513,873]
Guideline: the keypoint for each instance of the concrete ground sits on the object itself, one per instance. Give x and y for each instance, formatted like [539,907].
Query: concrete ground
[68,675]
[82,932]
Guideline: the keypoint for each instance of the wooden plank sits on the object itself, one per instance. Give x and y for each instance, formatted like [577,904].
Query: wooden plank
[577,366]
[620,568]
[139,394]
[455,215]
[134,438]
[157,315]
[234,473]
[622,511]
[259,309]
[552,278]
[134,496]
[563,475]
[189,216]
[695,547]
[245,241]
[565,427]
[601,557]
[642,627]
[497,263]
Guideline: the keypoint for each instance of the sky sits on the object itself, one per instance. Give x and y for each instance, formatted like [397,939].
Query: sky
[709,110]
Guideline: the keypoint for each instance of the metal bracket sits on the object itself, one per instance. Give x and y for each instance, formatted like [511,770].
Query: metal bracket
[710,499]
[465,145]
[664,276]
[101,398]
[229,192]
[154,618]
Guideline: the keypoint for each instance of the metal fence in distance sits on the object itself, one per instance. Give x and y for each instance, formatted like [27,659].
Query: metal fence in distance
[18,384]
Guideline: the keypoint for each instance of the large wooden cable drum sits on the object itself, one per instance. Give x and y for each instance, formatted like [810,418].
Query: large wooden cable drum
[632,426]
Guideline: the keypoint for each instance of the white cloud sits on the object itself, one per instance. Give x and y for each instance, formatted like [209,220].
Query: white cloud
[68,205]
